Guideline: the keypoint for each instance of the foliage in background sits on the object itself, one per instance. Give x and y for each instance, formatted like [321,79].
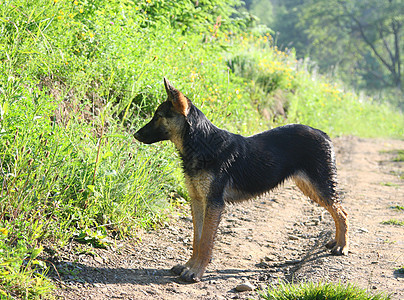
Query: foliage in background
[361,42]
[292,92]
[261,10]
[364,38]
[77,77]
[202,16]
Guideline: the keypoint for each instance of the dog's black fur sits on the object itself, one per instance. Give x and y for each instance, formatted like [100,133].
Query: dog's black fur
[256,164]
[221,167]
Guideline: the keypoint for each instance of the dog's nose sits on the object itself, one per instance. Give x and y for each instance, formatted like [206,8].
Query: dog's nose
[136,135]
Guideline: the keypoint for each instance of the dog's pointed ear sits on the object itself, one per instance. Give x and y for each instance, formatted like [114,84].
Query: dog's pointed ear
[180,102]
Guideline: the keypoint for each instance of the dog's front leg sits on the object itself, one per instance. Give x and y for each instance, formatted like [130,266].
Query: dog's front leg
[197,209]
[203,253]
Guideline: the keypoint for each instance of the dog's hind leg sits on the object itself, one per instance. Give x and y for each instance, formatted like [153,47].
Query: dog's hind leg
[339,245]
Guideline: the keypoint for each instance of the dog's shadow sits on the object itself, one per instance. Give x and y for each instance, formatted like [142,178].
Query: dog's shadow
[77,273]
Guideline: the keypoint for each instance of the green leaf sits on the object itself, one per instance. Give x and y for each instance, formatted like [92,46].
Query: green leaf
[36,252]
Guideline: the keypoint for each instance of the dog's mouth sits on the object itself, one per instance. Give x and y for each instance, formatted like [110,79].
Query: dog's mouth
[140,138]
[145,140]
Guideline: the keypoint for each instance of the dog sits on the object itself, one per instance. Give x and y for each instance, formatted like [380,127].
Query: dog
[221,167]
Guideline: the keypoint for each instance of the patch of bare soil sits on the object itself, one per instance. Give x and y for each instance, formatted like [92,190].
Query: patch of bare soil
[279,236]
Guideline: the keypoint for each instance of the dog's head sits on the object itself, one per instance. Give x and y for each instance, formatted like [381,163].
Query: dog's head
[169,119]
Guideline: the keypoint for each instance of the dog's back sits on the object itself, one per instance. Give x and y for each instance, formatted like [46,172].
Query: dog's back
[254,165]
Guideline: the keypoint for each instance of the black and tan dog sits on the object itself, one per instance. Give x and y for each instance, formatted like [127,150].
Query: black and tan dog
[221,167]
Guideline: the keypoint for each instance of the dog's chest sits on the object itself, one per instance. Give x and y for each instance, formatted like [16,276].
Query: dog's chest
[199,185]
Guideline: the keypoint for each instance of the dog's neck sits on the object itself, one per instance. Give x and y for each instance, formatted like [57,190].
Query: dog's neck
[200,142]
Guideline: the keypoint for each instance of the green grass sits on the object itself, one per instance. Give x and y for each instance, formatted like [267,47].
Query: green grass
[398,207]
[398,154]
[75,80]
[398,173]
[318,291]
[393,222]
[77,77]
[389,184]
[276,77]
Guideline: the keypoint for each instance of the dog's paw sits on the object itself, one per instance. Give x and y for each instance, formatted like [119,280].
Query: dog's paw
[178,269]
[339,250]
[331,244]
[189,276]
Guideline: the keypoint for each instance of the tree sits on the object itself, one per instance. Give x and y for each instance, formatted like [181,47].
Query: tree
[362,37]
[286,24]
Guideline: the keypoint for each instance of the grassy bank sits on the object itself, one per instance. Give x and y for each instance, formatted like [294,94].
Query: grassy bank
[276,79]
[77,77]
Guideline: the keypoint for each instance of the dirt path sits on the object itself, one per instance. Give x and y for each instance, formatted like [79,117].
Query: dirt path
[279,236]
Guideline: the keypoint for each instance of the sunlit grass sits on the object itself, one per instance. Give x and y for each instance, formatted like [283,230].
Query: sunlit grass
[393,222]
[317,291]
[309,98]
[398,207]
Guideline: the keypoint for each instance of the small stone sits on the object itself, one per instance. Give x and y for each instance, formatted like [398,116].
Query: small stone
[363,230]
[263,265]
[246,286]
[311,223]
[270,258]
[292,262]
[293,237]
[98,259]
